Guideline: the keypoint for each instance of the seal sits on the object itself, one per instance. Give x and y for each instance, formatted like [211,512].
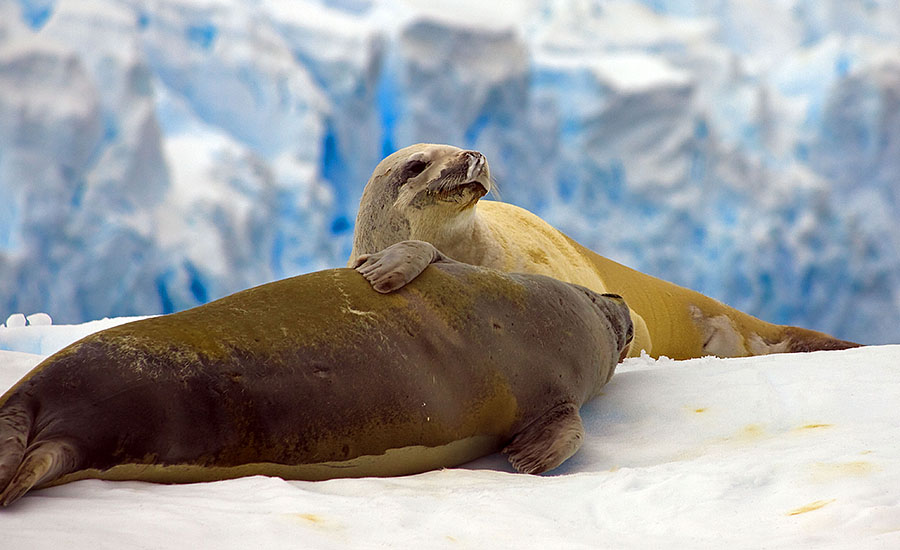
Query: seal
[320,376]
[432,193]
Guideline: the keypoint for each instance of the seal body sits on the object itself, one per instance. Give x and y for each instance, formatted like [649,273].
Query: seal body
[431,192]
[319,376]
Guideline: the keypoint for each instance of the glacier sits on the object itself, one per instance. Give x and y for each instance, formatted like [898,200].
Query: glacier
[157,155]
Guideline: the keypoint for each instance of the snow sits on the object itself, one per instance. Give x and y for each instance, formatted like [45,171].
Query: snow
[154,156]
[782,451]
[45,338]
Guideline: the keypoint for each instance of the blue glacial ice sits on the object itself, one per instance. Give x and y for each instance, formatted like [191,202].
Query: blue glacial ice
[156,156]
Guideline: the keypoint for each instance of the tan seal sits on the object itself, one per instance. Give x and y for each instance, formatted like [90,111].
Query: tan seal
[320,376]
[431,193]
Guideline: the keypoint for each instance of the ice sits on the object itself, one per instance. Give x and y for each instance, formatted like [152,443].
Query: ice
[38,320]
[16,320]
[155,156]
[45,338]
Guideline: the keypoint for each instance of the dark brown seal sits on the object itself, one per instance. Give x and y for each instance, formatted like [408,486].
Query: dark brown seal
[319,376]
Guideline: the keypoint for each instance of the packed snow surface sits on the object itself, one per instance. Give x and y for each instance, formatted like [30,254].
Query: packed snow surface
[154,156]
[157,155]
[783,451]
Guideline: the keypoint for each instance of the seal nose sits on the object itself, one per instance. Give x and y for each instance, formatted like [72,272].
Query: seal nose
[626,329]
[475,161]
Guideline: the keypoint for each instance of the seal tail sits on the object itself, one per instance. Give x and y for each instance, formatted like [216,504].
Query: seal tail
[24,466]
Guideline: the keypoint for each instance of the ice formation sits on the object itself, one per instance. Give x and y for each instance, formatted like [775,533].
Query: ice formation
[156,156]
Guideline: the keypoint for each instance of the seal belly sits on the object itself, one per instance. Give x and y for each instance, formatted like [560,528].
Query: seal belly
[393,462]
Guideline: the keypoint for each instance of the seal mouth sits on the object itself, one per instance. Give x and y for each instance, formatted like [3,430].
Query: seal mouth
[459,191]
[463,182]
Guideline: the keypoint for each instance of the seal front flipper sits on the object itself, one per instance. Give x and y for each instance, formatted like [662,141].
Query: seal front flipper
[397,265]
[548,441]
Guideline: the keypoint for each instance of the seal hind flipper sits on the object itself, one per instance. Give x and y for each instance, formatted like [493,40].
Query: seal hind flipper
[15,423]
[25,464]
[731,335]
[548,441]
[397,265]
[801,340]
[43,463]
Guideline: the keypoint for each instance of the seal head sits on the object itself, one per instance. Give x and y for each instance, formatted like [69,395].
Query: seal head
[412,189]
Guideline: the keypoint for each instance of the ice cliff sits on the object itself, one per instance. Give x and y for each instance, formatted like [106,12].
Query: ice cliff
[156,155]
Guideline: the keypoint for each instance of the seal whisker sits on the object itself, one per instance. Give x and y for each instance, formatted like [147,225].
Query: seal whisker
[495,189]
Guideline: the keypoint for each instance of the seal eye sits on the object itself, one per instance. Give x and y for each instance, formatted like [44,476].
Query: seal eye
[413,168]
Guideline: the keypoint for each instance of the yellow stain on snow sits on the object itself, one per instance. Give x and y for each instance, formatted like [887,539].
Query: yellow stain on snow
[815,426]
[823,472]
[314,520]
[700,410]
[812,506]
[751,431]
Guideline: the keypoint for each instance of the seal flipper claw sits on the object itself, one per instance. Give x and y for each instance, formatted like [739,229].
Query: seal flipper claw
[548,441]
[397,265]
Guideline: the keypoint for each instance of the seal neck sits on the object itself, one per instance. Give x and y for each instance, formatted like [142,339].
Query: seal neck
[464,237]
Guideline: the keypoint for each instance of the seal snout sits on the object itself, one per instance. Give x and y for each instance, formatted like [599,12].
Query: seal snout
[464,178]
[624,327]
[475,162]
[477,172]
